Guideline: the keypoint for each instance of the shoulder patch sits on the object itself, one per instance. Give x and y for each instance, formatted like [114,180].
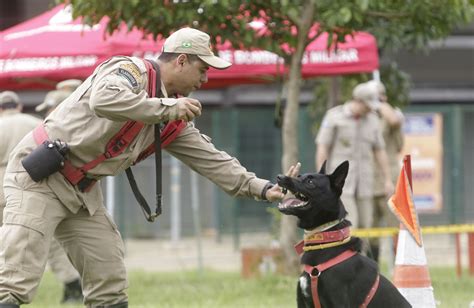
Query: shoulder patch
[131,72]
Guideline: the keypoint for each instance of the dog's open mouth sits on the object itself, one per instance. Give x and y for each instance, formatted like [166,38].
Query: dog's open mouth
[298,201]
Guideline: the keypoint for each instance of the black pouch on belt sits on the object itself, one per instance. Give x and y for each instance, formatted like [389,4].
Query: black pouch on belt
[45,160]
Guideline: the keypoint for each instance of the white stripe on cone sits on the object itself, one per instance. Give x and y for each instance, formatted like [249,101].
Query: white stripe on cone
[419,297]
[408,251]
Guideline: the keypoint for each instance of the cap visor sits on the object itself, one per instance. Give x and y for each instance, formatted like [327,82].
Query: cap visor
[215,62]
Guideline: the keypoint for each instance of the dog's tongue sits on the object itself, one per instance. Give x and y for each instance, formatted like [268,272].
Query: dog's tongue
[290,202]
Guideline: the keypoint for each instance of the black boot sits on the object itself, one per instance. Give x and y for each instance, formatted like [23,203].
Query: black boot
[72,292]
[9,306]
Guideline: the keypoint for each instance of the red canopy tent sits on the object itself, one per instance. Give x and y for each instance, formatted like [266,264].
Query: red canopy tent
[51,47]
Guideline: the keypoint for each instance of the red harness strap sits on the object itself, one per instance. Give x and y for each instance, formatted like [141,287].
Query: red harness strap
[371,294]
[116,145]
[315,271]
[168,134]
[171,130]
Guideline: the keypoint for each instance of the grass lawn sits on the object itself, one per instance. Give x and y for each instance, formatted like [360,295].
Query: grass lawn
[216,289]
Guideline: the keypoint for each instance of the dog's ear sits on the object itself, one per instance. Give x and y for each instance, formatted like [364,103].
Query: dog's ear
[339,175]
[323,168]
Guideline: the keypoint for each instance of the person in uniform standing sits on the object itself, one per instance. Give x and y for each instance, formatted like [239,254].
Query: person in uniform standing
[391,125]
[14,125]
[351,132]
[68,85]
[116,94]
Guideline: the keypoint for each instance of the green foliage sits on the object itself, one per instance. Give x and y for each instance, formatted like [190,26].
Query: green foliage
[214,289]
[397,84]
[395,24]
[412,24]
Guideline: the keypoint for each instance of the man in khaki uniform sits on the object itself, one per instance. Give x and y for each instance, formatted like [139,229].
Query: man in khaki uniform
[68,85]
[14,125]
[115,93]
[391,124]
[351,132]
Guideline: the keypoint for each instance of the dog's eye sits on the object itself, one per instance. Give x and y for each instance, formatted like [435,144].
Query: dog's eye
[310,181]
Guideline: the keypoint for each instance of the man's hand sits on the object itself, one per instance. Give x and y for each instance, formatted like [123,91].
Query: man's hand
[188,108]
[275,193]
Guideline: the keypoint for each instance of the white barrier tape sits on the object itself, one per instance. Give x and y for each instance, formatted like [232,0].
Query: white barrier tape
[408,251]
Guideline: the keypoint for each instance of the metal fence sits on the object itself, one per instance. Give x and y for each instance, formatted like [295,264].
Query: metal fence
[250,135]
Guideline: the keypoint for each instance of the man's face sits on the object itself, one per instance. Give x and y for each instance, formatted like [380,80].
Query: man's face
[191,76]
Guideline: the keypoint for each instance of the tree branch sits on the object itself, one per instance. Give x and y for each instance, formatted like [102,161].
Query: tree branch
[388,15]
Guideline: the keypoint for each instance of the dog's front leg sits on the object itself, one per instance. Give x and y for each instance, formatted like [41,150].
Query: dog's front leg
[303,292]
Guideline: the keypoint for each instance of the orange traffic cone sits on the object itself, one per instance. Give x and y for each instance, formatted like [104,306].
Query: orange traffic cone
[411,275]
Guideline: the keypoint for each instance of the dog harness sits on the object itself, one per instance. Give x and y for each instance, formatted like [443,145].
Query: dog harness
[315,271]
[77,176]
[327,239]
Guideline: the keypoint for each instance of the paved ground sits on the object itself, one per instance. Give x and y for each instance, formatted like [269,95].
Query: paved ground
[162,255]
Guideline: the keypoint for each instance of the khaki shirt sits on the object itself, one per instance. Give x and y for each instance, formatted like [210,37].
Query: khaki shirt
[355,140]
[14,125]
[97,110]
[393,137]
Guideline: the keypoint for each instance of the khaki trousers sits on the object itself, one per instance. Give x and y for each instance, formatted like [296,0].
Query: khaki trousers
[383,217]
[33,216]
[57,258]
[360,210]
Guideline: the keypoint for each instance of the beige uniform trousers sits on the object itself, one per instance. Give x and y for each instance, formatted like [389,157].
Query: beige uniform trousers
[57,258]
[31,216]
[13,127]
[360,210]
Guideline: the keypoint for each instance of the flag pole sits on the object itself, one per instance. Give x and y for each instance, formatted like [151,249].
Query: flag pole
[407,163]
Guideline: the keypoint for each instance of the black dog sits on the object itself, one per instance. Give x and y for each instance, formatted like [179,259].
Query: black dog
[353,280]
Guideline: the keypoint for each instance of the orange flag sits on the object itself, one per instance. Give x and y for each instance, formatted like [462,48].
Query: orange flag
[402,205]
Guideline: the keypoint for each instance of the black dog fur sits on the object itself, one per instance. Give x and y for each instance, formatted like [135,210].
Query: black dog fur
[317,202]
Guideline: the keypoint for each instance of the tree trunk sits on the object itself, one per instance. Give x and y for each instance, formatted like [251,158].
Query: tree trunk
[288,229]
[334,89]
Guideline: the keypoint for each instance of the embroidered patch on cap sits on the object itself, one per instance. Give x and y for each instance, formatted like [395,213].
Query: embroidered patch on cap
[187,45]
[131,73]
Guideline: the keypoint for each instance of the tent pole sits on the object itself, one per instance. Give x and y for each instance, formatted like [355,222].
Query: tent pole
[376,75]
